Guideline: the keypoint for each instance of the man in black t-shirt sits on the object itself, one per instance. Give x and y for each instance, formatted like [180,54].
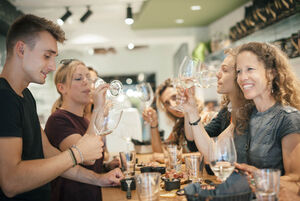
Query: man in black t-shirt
[31,46]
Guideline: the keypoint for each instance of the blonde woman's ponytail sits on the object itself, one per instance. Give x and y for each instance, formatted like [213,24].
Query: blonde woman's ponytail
[57,104]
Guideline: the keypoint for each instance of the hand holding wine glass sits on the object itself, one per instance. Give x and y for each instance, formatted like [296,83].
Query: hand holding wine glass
[115,87]
[222,157]
[150,116]
[187,78]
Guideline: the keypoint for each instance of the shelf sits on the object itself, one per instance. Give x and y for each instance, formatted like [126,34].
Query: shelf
[282,29]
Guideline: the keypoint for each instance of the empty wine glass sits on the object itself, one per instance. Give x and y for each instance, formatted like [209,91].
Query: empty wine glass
[145,93]
[188,72]
[106,123]
[222,157]
[175,82]
[115,87]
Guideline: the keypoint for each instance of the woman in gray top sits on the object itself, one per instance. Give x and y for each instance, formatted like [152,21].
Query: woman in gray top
[271,138]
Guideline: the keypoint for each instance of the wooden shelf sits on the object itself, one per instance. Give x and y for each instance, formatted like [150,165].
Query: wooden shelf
[282,29]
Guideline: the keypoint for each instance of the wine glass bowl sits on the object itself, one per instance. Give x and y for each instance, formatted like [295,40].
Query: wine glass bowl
[146,94]
[188,72]
[106,123]
[222,157]
[206,75]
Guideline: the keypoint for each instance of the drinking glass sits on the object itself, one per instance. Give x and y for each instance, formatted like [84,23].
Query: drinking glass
[267,184]
[188,72]
[107,123]
[145,93]
[115,87]
[174,156]
[207,75]
[187,78]
[113,109]
[193,167]
[222,157]
[128,163]
[147,185]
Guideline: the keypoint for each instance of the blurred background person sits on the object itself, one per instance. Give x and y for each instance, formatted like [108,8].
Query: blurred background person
[209,112]
[166,99]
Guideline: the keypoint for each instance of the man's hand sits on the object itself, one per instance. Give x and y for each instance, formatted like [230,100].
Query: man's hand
[90,146]
[111,178]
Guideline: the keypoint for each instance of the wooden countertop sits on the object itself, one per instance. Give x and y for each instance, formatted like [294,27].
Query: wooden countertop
[116,194]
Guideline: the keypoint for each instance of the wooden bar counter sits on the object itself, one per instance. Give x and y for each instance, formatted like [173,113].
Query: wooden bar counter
[116,194]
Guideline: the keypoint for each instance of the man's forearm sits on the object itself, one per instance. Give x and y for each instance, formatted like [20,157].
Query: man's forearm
[81,174]
[38,172]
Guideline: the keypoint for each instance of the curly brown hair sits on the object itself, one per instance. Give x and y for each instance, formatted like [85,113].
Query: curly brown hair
[285,85]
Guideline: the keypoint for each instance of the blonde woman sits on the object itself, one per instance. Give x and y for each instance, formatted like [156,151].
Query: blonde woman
[67,124]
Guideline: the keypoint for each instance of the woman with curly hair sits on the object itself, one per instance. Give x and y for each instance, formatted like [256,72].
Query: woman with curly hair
[271,137]
[166,98]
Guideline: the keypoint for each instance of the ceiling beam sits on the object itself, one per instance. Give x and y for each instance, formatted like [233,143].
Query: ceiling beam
[8,14]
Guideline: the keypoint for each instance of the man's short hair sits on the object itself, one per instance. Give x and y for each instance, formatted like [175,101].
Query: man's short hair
[27,27]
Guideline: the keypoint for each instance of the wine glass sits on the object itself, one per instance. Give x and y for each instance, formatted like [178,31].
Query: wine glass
[106,123]
[207,75]
[222,157]
[188,72]
[115,87]
[187,77]
[145,93]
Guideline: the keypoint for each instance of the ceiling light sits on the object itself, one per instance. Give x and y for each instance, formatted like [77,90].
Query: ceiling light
[141,77]
[129,20]
[128,81]
[130,46]
[61,20]
[195,7]
[179,21]
[91,51]
[86,15]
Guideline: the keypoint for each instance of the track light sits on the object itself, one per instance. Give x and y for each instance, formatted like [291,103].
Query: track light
[61,20]
[86,15]
[129,20]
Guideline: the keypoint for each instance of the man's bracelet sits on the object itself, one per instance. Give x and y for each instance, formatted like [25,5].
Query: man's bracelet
[195,123]
[152,127]
[81,156]
[73,157]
